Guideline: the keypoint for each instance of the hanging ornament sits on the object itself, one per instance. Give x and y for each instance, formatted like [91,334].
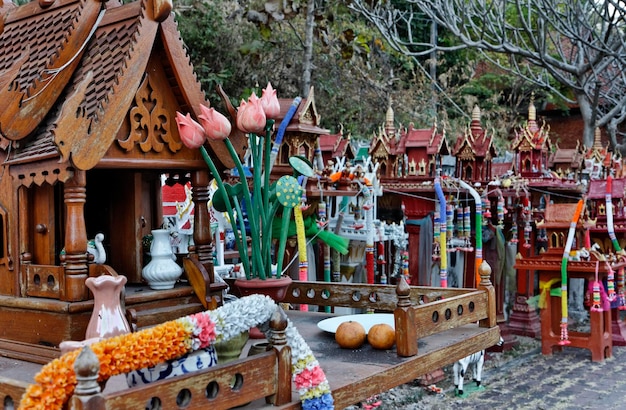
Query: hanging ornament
[467,222]
[620,289]
[450,222]
[405,265]
[436,234]
[610,283]
[500,210]
[596,300]
[460,223]
[487,211]
[467,229]
[527,231]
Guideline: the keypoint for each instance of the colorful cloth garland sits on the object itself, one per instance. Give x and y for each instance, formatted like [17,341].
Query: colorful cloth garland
[55,383]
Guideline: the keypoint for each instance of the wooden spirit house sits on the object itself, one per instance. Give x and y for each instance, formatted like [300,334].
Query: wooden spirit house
[474,152]
[301,135]
[531,146]
[335,146]
[567,162]
[88,97]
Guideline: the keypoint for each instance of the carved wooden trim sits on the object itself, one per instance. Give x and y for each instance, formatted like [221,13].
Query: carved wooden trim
[28,103]
[150,122]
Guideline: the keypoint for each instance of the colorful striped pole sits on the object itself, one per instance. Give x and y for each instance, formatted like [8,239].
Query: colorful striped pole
[568,247]
[478,256]
[443,264]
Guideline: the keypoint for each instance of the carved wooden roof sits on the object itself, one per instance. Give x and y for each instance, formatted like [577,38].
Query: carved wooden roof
[597,188]
[336,145]
[429,138]
[558,216]
[475,141]
[306,119]
[82,82]
[531,136]
[566,158]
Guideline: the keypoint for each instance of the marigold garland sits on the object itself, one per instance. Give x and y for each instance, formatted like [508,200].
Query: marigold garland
[56,381]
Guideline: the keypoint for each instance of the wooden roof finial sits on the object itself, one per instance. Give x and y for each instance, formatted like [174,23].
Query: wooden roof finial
[532,111]
[390,129]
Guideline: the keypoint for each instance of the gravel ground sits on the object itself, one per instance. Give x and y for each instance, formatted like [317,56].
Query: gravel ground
[415,396]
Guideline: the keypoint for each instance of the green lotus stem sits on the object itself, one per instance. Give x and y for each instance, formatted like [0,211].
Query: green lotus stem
[256,190]
[267,238]
[266,177]
[242,226]
[282,242]
[258,199]
[229,209]
[257,260]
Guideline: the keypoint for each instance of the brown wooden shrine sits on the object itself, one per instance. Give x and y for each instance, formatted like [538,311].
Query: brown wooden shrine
[598,341]
[88,96]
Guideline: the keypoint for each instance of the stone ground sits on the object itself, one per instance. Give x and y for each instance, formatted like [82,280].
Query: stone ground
[523,378]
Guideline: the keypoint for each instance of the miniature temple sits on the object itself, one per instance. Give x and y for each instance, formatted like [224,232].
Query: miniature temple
[474,152]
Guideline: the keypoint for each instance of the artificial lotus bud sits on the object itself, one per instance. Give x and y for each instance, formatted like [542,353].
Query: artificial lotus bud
[251,116]
[191,133]
[270,103]
[216,126]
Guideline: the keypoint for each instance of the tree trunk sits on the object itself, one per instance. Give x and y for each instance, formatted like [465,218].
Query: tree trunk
[307,61]
[586,112]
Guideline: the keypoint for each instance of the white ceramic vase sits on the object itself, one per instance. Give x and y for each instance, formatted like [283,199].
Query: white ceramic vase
[162,272]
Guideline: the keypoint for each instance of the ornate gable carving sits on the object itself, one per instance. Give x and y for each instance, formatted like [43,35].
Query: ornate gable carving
[466,153]
[150,122]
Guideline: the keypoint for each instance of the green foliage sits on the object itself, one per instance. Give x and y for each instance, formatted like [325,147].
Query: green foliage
[355,72]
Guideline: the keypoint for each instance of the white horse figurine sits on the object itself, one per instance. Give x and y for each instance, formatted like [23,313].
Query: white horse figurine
[460,368]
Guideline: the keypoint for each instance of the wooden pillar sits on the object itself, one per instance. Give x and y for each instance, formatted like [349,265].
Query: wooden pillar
[404,318]
[278,340]
[201,220]
[524,320]
[485,284]
[76,269]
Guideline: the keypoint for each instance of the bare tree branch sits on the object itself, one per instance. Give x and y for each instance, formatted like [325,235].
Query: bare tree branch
[575,49]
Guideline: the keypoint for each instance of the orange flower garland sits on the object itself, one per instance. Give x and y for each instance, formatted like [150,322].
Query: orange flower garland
[56,381]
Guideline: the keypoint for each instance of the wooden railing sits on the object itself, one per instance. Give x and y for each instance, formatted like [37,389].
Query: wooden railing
[11,392]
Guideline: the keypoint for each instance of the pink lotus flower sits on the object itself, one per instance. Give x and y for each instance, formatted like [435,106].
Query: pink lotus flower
[270,103]
[216,126]
[251,116]
[191,133]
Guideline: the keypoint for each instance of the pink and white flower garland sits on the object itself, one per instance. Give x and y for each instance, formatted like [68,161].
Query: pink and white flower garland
[169,340]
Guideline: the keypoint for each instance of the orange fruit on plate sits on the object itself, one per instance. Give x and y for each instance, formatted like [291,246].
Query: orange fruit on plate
[381,336]
[350,335]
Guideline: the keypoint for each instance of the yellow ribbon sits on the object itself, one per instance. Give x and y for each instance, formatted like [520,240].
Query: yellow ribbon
[544,288]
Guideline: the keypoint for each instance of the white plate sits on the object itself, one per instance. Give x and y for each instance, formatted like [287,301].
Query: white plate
[366,319]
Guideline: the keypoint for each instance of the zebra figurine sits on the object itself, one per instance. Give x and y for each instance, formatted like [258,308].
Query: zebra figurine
[460,368]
